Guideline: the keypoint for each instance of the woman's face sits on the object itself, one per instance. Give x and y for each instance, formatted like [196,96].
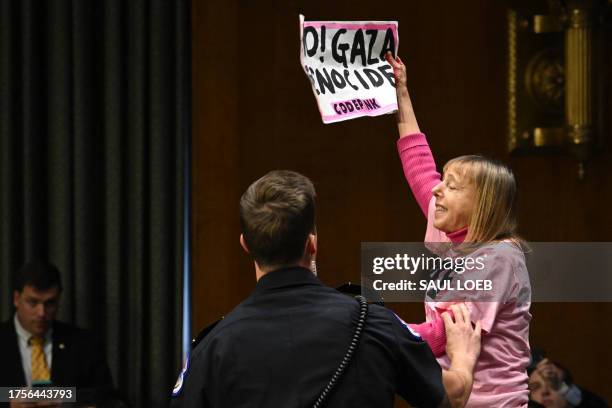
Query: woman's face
[544,391]
[455,198]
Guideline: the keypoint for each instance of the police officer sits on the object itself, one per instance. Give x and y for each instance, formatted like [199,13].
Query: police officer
[282,345]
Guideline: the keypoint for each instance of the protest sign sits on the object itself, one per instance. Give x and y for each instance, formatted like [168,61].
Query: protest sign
[345,63]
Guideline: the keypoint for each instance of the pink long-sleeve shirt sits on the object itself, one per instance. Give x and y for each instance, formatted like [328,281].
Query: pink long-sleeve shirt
[500,375]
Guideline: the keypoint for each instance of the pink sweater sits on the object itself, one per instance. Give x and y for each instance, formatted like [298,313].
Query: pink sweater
[420,171]
[500,377]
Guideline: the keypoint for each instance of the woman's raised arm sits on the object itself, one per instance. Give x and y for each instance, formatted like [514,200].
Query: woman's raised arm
[417,161]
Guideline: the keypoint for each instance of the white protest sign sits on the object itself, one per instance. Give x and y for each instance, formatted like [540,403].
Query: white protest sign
[345,63]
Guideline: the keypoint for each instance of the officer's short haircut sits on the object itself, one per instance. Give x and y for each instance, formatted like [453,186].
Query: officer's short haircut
[41,275]
[277,213]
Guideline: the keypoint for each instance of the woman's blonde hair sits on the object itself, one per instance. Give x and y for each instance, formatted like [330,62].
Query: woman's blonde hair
[494,215]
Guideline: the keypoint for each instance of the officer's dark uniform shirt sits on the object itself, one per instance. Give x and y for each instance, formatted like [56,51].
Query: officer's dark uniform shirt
[280,347]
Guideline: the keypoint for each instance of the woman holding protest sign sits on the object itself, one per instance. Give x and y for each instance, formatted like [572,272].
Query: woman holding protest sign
[471,207]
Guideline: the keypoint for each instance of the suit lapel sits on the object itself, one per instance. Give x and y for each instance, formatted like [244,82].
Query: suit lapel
[14,368]
[60,365]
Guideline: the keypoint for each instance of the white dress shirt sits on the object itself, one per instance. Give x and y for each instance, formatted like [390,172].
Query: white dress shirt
[23,337]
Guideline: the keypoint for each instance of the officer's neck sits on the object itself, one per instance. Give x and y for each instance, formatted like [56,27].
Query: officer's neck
[261,271]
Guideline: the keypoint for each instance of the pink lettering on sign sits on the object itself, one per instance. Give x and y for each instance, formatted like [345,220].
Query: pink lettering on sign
[352,105]
[357,107]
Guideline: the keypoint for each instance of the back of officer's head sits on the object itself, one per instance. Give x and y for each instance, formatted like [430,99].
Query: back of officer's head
[277,213]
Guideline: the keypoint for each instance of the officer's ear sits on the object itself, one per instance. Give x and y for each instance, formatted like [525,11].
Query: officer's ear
[243,244]
[311,245]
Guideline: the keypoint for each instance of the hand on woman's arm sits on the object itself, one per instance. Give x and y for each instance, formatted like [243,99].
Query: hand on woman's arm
[406,121]
[463,349]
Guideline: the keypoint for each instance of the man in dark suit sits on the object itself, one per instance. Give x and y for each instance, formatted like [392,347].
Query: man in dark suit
[36,349]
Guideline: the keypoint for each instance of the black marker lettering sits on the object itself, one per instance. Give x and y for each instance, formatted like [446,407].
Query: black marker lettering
[374,77]
[315,37]
[341,58]
[346,75]
[325,82]
[338,79]
[373,34]
[388,44]
[359,77]
[358,49]
[384,69]
[322,39]
[311,76]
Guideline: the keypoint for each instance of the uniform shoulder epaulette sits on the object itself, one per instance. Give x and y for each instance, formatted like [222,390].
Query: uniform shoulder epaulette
[203,333]
[178,387]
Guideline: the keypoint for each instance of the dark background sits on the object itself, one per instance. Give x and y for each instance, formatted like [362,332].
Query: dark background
[254,111]
[95,109]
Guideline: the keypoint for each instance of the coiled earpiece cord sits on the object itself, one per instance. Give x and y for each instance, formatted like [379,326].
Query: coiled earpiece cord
[363,314]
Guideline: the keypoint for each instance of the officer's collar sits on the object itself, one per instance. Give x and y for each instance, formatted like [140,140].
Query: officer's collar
[291,276]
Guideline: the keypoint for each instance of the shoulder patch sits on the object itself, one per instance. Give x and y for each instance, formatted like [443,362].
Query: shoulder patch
[181,378]
[414,333]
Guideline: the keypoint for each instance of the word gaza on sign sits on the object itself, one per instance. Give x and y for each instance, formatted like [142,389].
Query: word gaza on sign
[345,63]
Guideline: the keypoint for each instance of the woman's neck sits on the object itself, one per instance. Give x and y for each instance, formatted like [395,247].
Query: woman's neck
[458,236]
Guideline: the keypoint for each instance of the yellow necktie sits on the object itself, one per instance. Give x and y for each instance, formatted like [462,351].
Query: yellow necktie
[40,369]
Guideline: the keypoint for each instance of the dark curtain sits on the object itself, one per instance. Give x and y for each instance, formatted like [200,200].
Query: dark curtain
[94,117]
